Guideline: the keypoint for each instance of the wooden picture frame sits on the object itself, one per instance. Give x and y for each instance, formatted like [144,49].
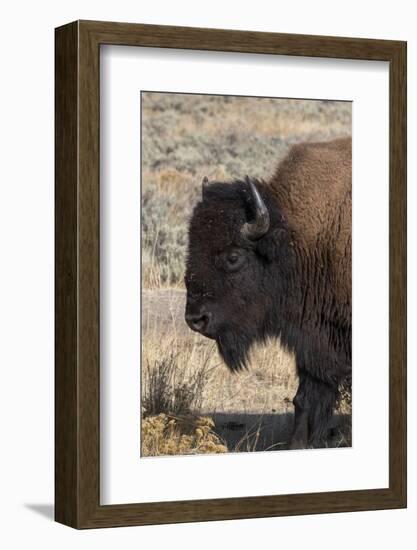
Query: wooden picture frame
[77,374]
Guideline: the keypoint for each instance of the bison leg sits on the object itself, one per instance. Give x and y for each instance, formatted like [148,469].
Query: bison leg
[321,412]
[299,439]
[314,404]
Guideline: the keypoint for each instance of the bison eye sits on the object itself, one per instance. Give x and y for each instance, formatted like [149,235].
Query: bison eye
[234,261]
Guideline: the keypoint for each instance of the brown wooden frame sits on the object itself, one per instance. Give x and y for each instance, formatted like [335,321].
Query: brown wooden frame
[77,274]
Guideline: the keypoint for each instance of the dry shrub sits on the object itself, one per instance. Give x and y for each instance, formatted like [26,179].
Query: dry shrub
[169,389]
[169,435]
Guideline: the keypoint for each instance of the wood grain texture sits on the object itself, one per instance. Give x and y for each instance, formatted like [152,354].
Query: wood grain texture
[78,284]
[66,237]
[398,274]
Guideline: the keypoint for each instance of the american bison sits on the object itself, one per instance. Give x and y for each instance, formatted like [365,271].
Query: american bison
[273,259]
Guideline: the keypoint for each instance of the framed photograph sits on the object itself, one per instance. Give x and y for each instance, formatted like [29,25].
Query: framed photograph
[230,274]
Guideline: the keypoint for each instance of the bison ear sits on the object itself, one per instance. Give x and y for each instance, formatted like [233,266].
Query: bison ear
[271,245]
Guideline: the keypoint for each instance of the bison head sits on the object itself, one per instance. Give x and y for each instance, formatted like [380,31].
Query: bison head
[238,250]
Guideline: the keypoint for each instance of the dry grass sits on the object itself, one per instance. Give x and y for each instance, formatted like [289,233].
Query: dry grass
[171,386]
[254,116]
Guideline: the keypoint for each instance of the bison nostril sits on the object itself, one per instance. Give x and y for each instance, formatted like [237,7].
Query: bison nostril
[198,322]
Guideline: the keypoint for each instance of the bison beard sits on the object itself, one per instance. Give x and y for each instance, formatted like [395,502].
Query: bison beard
[291,279]
[234,349]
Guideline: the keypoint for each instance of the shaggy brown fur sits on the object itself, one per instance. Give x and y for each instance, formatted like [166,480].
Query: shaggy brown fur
[313,187]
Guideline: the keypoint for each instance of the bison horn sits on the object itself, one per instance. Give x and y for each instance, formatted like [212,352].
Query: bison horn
[204,184]
[260,226]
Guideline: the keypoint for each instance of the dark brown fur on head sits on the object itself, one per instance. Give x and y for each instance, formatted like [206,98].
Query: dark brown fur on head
[237,296]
